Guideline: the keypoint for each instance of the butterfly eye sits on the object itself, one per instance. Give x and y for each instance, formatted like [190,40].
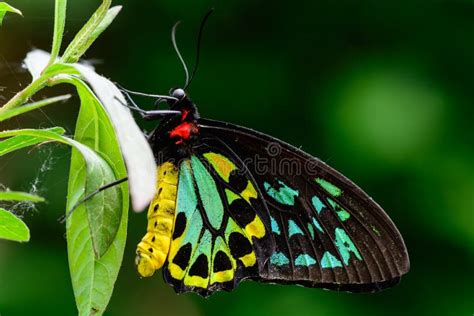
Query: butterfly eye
[178,93]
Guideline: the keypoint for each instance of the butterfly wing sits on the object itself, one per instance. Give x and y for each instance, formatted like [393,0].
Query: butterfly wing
[324,230]
[219,230]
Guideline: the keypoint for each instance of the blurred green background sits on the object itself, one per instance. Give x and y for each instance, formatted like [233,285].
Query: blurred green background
[381,90]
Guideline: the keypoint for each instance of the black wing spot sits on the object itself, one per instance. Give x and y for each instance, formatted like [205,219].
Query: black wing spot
[179,225]
[153,239]
[242,212]
[221,262]
[237,180]
[150,250]
[200,267]
[239,245]
[182,257]
[157,206]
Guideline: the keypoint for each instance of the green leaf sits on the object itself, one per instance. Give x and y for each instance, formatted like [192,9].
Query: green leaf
[19,196]
[103,213]
[104,24]
[13,228]
[59,23]
[53,132]
[105,208]
[32,106]
[17,142]
[4,8]
[22,141]
[93,279]
[82,41]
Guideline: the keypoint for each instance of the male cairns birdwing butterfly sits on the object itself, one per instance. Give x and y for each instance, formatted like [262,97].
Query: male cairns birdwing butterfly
[233,204]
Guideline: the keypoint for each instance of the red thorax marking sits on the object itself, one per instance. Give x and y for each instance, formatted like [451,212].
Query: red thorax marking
[184,130]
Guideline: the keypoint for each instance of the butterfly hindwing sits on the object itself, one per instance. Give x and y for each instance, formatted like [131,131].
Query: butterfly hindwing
[326,232]
[218,233]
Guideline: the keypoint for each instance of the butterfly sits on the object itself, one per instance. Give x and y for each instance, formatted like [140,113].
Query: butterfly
[233,204]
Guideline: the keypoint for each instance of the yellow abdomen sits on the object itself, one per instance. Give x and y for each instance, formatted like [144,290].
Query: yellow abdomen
[153,249]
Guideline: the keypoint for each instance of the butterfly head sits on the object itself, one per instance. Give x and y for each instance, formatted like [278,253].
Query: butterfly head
[185,127]
[180,101]
[178,93]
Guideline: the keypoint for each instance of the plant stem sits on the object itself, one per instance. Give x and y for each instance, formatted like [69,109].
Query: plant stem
[22,97]
[59,22]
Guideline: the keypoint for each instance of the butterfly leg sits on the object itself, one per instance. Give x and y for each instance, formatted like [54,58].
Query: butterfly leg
[91,195]
[147,115]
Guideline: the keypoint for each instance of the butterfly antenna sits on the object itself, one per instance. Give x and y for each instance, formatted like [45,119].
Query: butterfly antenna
[158,96]
[198,48]
[173,39]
